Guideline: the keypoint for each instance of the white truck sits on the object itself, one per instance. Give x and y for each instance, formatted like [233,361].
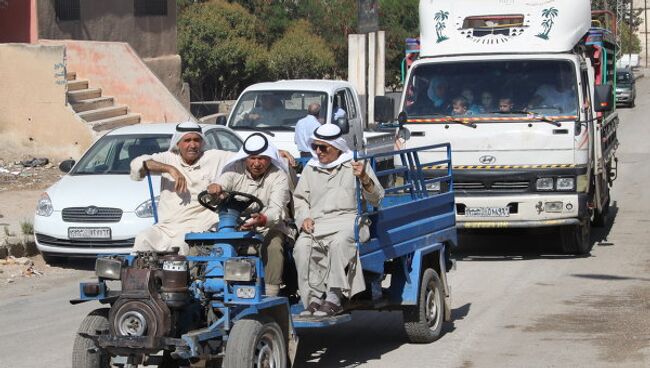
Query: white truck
[289,99]
[523,92]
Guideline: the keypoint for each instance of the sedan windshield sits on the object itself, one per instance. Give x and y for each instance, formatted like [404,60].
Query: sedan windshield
[492,88]
[113,154]
[276,110]
[623,78]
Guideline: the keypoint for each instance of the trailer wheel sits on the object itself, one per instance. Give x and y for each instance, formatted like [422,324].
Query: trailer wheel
[423,322]
[256,342]
[576,239]
[83,355]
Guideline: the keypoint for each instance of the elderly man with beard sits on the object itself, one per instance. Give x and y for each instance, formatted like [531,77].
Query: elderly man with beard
[326,207]
[257,169]
[187,169]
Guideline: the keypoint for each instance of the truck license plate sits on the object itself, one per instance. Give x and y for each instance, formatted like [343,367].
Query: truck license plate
[487,211]
[89,232]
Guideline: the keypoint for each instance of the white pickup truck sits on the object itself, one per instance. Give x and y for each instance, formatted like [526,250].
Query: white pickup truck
[288,100]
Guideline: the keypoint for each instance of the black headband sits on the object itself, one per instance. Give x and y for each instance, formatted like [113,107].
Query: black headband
[320,136]
[196,129]
[257,151]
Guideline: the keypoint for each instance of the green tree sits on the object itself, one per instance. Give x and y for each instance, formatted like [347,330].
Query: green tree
[300,54]
[630,43]
[399,18]
[217,43]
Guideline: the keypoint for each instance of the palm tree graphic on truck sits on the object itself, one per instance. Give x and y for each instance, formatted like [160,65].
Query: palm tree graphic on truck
[441,18]
[548,14]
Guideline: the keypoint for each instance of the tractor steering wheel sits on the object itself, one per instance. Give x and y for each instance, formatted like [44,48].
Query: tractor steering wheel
[244,203]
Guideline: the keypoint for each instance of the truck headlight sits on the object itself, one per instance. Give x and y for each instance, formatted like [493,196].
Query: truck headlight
[108,268]
[44,206]
[241,269]
[565,184]
[145,209]
[544,184]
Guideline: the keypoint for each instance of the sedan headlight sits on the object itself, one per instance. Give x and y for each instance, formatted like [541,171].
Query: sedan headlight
[565,184]
[108,268]
[544,184]
[241,269]
[44,206]
[145,209]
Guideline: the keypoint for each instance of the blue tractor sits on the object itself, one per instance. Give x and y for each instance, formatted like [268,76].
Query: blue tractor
[173,311]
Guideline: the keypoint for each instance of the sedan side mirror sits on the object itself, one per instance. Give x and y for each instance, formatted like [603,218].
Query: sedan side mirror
[66,165]
[604,98]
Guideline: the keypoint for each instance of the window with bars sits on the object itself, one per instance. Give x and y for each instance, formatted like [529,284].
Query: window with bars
[67,9]
[149,7]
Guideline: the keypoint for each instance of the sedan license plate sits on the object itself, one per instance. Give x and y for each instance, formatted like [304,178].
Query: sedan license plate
[487,211]
[89,232]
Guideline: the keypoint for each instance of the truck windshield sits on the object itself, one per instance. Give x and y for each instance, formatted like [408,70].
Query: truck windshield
[275,110]
[492,88]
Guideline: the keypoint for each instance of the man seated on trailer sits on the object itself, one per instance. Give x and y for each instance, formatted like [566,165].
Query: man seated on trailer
[259,170]
[186,169]
[326,207]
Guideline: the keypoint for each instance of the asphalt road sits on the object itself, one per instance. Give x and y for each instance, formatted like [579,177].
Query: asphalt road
[517,302]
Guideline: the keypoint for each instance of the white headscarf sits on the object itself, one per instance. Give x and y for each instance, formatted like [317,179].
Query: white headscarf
[258,144]
[183,129]
[331,134]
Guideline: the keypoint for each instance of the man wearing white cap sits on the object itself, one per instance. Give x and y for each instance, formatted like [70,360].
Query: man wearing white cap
[259,170]
[325,204]
[187,169]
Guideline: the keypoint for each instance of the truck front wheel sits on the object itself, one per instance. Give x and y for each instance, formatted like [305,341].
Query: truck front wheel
[256,342]
[83,353]
[576,239]
[423,322]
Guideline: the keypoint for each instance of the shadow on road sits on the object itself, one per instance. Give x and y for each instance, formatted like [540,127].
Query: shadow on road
[523,244]
[366,338]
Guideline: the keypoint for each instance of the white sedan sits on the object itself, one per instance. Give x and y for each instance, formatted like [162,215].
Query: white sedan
[97,208]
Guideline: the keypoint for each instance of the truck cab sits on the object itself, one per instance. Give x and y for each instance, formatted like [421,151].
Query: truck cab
[523,91]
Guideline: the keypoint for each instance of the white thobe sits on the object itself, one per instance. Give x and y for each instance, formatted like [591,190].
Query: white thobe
[179,213]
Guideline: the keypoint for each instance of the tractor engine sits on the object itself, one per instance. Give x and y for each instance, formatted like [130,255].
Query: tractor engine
[154,289]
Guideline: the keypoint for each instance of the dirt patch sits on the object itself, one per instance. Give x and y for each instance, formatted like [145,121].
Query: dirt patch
[619,324]
[16,269]
[14,176]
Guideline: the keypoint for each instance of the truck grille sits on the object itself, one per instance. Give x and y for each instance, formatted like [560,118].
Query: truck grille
[497,186]
[48,240]
[91,214]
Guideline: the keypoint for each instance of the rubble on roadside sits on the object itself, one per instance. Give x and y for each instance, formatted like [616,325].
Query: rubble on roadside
[12,268]
[29,174]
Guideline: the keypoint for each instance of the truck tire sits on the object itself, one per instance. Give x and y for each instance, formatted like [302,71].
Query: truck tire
[255,342]
[576,239]
[96,320]
[601,217]
[423,322]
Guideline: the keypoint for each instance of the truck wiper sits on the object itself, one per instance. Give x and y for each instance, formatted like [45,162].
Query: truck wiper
[451,119]
[534,115]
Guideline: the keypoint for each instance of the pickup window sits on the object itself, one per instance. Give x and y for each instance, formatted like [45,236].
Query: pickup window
[492,88]
[277,110]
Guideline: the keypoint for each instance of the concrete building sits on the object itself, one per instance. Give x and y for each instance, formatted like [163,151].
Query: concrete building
[73,69]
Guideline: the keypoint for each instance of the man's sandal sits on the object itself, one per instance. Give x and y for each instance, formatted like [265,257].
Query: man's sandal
[311,308]
[328,309]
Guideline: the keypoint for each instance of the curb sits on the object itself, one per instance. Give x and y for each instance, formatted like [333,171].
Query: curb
[18,246]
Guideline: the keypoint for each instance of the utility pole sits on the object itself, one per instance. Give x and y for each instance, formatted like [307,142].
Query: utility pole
[645,25]
[631,29]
